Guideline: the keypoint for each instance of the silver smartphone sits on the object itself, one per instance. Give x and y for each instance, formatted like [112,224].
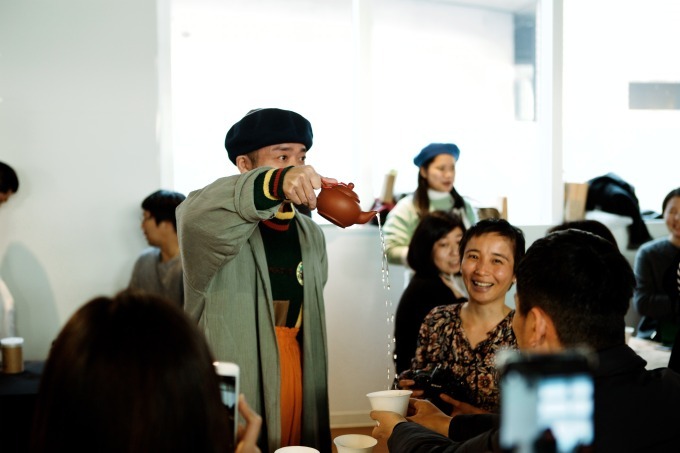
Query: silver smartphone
[547,401]
[228,373]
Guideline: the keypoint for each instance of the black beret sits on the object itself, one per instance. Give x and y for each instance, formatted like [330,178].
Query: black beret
[265,127]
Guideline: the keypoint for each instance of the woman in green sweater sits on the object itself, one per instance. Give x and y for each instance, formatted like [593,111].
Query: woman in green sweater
[435,192]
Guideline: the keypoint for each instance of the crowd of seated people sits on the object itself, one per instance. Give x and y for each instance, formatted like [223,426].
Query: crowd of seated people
[573,290]
[121,366]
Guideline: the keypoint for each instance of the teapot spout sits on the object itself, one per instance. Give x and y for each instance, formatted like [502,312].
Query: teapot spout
[365,217]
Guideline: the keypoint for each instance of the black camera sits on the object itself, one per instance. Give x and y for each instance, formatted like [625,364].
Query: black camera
[437,381]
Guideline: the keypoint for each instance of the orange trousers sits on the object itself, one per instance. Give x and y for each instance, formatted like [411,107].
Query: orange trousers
[291,385]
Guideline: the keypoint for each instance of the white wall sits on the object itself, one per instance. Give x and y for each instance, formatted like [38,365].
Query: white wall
[78,90]
[607,45]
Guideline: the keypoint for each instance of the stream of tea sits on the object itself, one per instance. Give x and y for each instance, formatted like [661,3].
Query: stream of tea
[389,309]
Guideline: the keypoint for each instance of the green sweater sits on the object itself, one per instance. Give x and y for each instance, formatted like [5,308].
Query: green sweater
[403,219]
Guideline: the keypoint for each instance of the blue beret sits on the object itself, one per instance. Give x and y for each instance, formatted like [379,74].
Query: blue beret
[435,149]
[265,127]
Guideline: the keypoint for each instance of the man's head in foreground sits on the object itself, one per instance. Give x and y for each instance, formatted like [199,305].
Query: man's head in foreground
[573,289]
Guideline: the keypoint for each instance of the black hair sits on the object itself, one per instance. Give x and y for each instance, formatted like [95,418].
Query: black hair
[8,179]
[162,204]
[673,193]
[502,228]
[591,226]
[431,228]
[582,282]
[130,374]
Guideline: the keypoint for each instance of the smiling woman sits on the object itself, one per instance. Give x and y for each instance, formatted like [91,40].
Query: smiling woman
[465,338]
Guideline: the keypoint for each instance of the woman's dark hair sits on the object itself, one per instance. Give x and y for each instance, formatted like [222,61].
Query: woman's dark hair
[422,201]
[434,226]
[502,228]
[673,193]
[130,374]
[591,226]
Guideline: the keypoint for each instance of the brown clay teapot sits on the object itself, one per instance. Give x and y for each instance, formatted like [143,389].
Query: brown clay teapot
[340,205]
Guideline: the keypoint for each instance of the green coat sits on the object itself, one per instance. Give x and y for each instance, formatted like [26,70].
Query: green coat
[228,292]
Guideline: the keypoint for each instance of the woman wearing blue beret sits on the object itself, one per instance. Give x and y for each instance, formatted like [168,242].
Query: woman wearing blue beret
[435,192]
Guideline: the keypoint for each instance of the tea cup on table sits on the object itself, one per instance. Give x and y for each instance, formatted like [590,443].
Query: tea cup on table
[355,443]
[296,449]
[390,400]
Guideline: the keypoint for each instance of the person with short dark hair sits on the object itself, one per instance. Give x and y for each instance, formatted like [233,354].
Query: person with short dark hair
[158,269]
[653,269]
[589,225]
[255,271]
[133,374]
[434,257]
[9,185]
[9,182]
[573,290]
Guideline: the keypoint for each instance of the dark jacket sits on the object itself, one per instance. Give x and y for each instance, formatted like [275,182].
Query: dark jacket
[612,194]
[636,410]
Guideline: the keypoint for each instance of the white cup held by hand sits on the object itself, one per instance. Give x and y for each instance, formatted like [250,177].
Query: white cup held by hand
[390,400]
[355,443]
[629,333]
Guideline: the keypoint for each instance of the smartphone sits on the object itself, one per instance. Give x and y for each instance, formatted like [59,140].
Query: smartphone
[228,374]
[547,401]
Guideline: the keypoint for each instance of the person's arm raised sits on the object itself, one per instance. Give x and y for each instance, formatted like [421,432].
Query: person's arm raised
[299,185]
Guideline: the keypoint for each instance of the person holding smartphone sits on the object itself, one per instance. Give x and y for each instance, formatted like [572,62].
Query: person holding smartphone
[573,289]
[133,374]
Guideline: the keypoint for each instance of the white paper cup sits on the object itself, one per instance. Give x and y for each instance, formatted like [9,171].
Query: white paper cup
[355,443]
[390,400]
[12,356]
[296,449]
[629,333]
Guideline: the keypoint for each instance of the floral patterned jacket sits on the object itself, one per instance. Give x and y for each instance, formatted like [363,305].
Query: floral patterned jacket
[442,341]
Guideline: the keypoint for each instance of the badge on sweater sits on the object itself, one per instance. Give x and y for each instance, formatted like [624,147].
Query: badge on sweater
[298,274]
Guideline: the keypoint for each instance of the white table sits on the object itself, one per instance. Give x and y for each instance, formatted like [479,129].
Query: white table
[657,356]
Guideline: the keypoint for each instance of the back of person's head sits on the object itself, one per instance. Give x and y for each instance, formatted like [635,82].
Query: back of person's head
[582,282]
[591,226]
[9,182]
[162,204]
[430,229]
[672,194]
[500,227]
[129,374]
